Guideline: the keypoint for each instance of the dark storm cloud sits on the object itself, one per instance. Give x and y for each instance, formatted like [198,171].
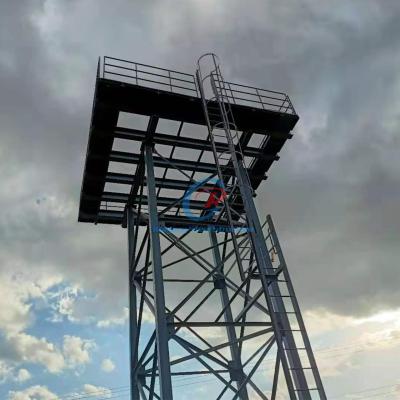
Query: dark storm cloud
[334,193]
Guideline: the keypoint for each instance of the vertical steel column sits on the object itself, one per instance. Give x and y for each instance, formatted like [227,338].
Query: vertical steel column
[132,239]
[273,295]
[230,329]
[158,285]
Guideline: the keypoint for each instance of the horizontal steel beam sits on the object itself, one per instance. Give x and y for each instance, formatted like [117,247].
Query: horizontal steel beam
[174,184]
[161,201]
[124,157]
[186,142]
[115,217]
[217,324]
[203,352]
[130,158]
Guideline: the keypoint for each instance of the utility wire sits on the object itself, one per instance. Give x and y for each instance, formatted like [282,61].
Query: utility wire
[194,380]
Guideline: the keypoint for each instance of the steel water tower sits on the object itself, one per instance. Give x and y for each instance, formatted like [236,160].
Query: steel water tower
[210,295]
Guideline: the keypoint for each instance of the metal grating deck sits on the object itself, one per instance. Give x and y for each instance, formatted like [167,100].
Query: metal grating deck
[166,98]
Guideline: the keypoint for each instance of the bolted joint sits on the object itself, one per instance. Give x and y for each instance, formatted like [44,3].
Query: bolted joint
[141,375]
[170,324]
[235,373]
[219,281]
[137,277]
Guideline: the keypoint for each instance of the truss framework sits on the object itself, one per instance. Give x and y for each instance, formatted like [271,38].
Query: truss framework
[210,295]
[218,319]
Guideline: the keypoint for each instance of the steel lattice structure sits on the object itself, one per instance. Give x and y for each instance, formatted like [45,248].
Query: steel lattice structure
[211,279]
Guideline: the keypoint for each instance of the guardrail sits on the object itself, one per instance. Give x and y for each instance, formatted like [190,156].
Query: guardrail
[183,83]
[235,93]
[149,76]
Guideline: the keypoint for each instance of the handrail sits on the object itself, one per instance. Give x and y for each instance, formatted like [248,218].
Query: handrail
[149,75]
[265,98]
[183,83]
[147,65]
[146,72]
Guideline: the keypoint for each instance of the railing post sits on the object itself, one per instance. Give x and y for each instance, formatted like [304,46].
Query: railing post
[230,89]
[170,80]
[258,94]
[98,68]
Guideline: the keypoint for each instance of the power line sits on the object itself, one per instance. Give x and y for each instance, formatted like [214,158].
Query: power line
[100,392]
[394,386]
[195,380]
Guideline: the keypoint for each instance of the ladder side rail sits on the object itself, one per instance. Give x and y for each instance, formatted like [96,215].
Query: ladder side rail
[220,175]
[271,288]
[291,362]
[264,263]
[296,308]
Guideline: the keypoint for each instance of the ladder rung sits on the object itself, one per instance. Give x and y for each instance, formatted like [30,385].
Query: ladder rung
[295,348]
[285,312]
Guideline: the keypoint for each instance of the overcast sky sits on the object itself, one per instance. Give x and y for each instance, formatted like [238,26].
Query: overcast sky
[334,194]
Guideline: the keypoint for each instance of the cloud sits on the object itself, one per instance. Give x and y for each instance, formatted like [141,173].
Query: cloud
[116,320]
[353,342]
[99,391]
[325,180]
[5,371]
[28,348]
[23,375]
[322,184]
[8,373]
[107,365]
[334,193]
[18,292]
[24,348]
[77,350]
[36,392]
[16,303]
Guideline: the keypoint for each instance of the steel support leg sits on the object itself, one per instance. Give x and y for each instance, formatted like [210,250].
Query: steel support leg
[158,285]
[284,337]
[230,329]
[132,238]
